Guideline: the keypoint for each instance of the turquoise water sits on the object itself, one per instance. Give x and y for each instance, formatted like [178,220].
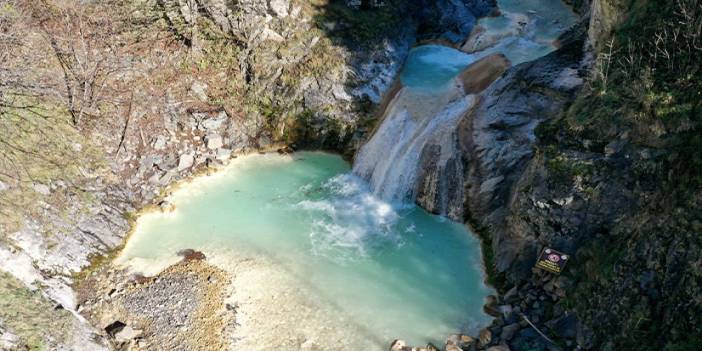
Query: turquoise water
[524,31]
[548,18]
[381,271]
[527,29]
[432,67]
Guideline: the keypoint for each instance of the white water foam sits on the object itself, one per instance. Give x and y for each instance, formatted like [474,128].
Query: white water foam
[351,222]
[426,111]
[390,160]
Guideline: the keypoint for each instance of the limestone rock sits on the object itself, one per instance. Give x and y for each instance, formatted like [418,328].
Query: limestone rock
[8,341]
[220,13]
[509,331]
[214,141]
[485,336]
[216,122]
[223,154]
[279,7]
[127,333]
[199,90]
[159,143]
[42,189]
[186,161]
[269,34]
[398,345]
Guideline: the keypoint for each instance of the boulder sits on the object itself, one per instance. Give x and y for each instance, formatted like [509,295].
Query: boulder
[498,348]
[3,186]
[483,72]
[186,161]
[223,154]
[199,90]
[491,307]
[398,345]
[191,255]
[286,150]
[509,331]
[113,328]
[279,7]
[214,141]
[126,334]
[42,188]
[460,341]
[166,206]
[485,337]
[160,142]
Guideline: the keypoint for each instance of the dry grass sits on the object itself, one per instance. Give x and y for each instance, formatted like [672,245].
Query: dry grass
[31,317]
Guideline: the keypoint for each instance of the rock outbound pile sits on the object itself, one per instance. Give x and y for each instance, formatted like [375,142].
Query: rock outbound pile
[181,308]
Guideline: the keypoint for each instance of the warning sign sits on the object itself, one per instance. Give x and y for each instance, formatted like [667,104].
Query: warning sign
[552,261]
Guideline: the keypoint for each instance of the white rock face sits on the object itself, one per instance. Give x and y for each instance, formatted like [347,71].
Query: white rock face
[21,266]
[186,161]
[214,141]
[42,189]
[279,7]
[3,186]
[160,142]
[269,34]
[127,334]
[199,90]
[215,123]
[224,154]
[8,341]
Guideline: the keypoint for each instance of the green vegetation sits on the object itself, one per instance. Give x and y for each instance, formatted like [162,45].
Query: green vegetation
[564,169]
[494,278]
[644,99]
[40,147]
[648,84]
[31,317]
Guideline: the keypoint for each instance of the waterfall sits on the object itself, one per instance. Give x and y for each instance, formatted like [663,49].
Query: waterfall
[414,120]
[414,152]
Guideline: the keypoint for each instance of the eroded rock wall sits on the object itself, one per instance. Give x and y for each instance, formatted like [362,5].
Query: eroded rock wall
[190,83]
[540,173]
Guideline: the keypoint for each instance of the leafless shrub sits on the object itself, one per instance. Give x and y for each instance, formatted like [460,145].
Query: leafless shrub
[81,40]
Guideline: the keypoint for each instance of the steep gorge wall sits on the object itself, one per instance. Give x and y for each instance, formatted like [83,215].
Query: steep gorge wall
[193,83]
[545,167]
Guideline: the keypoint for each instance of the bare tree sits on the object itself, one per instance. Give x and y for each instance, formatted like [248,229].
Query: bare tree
[81,40]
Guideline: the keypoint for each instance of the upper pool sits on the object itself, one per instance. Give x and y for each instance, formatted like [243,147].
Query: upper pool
[431,67]
[316,257]
[523,31]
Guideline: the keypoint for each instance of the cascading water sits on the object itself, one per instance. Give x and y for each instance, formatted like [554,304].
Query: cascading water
[318,259]
[422,118]
[415,119]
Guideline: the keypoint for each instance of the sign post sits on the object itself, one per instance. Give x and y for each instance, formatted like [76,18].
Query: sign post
[552,261]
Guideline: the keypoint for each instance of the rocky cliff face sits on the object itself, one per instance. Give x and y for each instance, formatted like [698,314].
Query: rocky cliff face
[209,78]
[546,165]
[187,84]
